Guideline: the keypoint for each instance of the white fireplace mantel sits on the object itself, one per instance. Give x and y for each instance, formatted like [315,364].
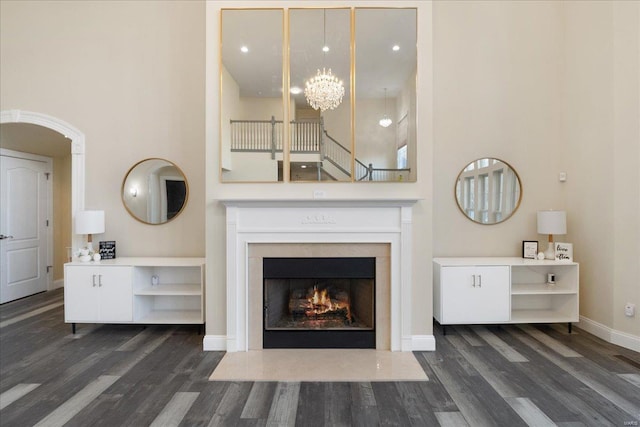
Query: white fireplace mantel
[316,221]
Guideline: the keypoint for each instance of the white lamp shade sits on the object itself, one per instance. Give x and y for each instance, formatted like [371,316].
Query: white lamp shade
[90,222]
[552,222]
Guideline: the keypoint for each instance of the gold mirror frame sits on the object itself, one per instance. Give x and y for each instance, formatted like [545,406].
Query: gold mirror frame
[476,193]
[379,162]
[143,195]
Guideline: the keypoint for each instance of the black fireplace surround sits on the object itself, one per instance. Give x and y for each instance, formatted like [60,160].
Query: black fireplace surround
[319,302]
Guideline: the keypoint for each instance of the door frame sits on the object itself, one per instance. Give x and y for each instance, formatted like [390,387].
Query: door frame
[77,140]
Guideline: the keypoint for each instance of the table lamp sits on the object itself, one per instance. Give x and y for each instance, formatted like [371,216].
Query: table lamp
[551,222]
[89,223]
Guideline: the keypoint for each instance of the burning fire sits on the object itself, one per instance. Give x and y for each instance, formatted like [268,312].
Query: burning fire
[320,303]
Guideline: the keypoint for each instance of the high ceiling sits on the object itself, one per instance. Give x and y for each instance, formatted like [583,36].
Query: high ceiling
[258,72]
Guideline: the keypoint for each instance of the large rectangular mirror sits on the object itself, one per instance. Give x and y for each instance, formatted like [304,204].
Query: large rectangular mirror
[385,88]
[320,70]
[252,101]
[350,83]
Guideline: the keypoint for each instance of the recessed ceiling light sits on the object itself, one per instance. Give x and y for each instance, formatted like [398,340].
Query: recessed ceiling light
[295,90]
[244,49]
[303,166]
[325,48]
[395,48]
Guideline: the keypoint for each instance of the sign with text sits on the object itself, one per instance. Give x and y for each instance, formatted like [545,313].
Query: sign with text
[564,251]
[108,249]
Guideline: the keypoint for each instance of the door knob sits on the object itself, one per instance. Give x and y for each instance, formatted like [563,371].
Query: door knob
[2,237]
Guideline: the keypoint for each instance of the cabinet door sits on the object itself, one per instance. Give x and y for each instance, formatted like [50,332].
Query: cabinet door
[475,294]
[81,294]
[116,298]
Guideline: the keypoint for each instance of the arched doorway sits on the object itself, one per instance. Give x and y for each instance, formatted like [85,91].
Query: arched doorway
[75,140]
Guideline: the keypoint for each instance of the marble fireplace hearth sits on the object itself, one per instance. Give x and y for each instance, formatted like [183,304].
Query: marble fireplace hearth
[318,228]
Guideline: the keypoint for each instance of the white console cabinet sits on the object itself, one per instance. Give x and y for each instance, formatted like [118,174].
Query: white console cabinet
[504,290]
[135,290]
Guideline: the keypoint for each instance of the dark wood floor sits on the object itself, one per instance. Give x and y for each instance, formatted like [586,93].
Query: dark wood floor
[126,375]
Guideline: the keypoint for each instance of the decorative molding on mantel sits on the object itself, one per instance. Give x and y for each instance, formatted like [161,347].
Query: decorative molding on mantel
[318,221]
[248,203]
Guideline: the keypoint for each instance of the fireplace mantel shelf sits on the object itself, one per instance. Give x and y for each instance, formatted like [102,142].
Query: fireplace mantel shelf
[319,202]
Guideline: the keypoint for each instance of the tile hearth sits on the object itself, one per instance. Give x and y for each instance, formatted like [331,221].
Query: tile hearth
[352,365]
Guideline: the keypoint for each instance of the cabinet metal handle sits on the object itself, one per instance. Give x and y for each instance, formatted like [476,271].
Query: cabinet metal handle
[94,280]
[100,280]
[473,280]
[479,280]
[2,237]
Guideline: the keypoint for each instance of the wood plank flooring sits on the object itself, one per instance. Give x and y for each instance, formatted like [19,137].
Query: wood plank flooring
[127,375]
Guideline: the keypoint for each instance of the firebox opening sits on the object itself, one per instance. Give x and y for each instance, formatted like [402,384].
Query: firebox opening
[319,303]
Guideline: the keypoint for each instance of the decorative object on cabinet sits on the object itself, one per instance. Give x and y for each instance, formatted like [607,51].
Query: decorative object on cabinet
[488,191]
[564,251]
[89,223]
[122,291]
[155,191]
[504,290]
[107,249]
[529,249]
[551,222]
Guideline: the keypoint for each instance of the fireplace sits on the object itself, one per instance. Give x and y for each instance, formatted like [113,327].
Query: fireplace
[319,228]
[319,302]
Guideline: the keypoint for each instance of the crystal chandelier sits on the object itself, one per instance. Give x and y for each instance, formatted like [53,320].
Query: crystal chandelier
[385,121]
[324,91]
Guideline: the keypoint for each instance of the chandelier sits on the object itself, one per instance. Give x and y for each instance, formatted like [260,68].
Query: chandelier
[324,91]
[385,121]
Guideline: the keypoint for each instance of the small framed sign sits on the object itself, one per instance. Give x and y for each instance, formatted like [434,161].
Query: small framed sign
[564,251]
[107,249]
[530,249]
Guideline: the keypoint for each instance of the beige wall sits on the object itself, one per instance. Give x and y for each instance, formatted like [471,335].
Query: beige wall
[130,76]
[602,143]
[546,86]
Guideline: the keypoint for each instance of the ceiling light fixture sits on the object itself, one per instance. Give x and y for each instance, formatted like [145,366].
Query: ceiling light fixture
[244,49]
[385,121]
[295,90]
[324,91]
[395,48]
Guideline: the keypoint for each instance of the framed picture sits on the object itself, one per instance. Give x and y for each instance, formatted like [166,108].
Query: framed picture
[564,251]
[107,249]
[530,249]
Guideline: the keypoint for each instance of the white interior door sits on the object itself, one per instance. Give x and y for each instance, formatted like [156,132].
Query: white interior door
[25,194]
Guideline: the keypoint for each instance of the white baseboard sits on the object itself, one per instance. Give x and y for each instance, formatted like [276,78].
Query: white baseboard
[418,343]
[214,343]
[613,336]
[57,284]
[423,343]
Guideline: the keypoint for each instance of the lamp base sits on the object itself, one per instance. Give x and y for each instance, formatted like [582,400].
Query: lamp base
[550,253]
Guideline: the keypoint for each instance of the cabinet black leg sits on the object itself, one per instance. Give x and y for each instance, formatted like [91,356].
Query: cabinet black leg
[73,328]
[569,326]
[444,330]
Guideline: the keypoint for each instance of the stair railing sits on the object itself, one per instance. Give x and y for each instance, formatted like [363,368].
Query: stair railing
[306,136]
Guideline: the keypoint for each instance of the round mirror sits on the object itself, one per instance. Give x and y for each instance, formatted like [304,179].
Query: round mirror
[155,191]
[488,191]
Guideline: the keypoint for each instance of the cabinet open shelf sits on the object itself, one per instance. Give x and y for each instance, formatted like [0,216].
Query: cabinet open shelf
[540,288]
[539,316]
[171,289]
[171,317]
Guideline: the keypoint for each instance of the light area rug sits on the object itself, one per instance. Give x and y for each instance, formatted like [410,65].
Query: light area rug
[318,365]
